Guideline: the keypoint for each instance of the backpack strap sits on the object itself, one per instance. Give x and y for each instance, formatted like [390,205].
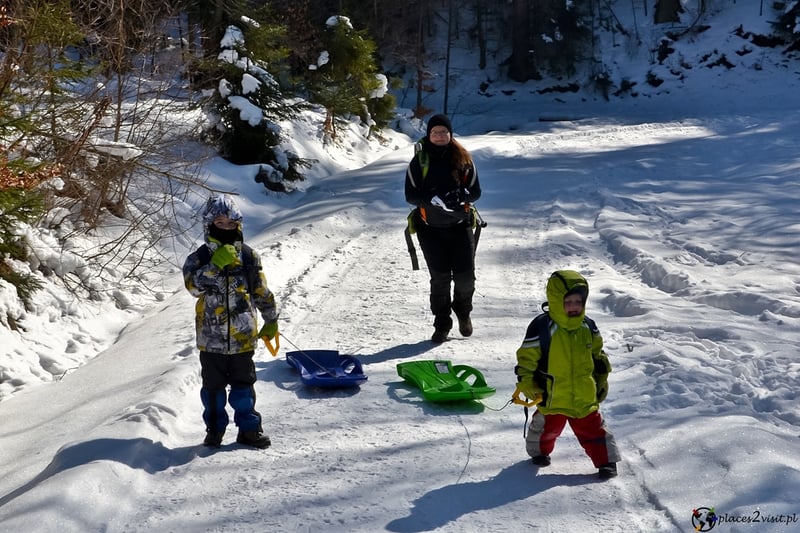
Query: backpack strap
[412,251]
[251,270]
[204,254]
[423,157]
[542,323]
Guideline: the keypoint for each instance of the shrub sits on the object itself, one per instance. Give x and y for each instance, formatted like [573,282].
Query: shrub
[17,206]
[345,79]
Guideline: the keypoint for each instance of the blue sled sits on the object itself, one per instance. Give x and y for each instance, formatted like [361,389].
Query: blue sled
[327,368]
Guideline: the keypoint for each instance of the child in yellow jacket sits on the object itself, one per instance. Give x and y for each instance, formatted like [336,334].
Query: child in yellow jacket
[569,377]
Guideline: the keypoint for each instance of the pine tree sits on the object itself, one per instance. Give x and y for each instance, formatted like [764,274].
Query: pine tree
[346,80]
[249,99]
[18,205]
[788,24]
[34,38]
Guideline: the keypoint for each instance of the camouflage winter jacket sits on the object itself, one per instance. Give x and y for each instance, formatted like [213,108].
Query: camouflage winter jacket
[225,312]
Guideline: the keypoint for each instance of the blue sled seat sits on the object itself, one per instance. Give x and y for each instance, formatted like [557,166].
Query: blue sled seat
[327,368]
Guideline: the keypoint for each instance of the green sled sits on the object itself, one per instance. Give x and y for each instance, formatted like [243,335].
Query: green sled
[440,381]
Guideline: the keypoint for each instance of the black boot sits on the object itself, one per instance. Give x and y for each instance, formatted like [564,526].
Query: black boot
[607,471]
[465,326]
[541,460]
[256,439]
[213,439]
[442,323]
[440,335]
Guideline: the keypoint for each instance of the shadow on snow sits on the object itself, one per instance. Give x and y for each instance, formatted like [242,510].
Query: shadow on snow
[142,454]
[447,504]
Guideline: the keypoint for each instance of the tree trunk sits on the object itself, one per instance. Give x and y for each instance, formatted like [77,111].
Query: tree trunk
[419,110]
[519,67]
[667,11]
[450,16]
[480,25]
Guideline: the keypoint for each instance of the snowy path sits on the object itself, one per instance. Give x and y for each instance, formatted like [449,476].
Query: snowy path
[400,464]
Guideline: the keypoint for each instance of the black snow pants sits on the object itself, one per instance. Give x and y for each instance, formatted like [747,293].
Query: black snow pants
[450,255]
[237,370]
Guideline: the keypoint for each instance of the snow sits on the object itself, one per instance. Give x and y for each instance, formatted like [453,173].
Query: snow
[248,112]
[250,84]
[338,19]
[383,87]
[680,207]
[233,38]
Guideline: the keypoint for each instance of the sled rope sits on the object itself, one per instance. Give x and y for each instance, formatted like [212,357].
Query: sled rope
[469,449]
[489,407]
[517,399]
[326,370]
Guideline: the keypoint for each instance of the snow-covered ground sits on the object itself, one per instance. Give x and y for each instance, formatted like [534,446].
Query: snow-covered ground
[680,207]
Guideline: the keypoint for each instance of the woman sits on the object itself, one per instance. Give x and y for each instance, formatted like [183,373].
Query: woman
[441,181]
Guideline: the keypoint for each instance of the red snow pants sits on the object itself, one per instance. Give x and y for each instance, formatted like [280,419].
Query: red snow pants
[591,431]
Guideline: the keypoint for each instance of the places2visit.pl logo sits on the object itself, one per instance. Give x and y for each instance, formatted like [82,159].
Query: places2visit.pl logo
[704,519]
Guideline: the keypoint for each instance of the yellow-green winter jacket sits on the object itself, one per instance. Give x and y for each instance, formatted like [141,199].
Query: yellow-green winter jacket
[576,361]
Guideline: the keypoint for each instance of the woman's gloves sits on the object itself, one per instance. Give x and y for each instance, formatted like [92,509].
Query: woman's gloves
[438,202]
[453,200]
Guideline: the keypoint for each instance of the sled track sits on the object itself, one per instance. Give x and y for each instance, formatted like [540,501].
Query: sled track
[328,298]
[604,137]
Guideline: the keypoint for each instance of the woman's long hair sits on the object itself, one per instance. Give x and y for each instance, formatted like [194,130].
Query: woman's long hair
[460,161]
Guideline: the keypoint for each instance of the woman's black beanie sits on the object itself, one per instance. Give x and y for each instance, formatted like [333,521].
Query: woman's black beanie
[439,120]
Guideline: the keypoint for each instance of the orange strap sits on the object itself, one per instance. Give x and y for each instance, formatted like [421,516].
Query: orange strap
[273,349]
[517,399]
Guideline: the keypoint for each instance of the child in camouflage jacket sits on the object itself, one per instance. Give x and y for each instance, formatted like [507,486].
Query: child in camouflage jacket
[225,276]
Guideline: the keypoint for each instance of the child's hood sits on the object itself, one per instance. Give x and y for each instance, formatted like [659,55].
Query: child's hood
[220,205]
[559,284]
